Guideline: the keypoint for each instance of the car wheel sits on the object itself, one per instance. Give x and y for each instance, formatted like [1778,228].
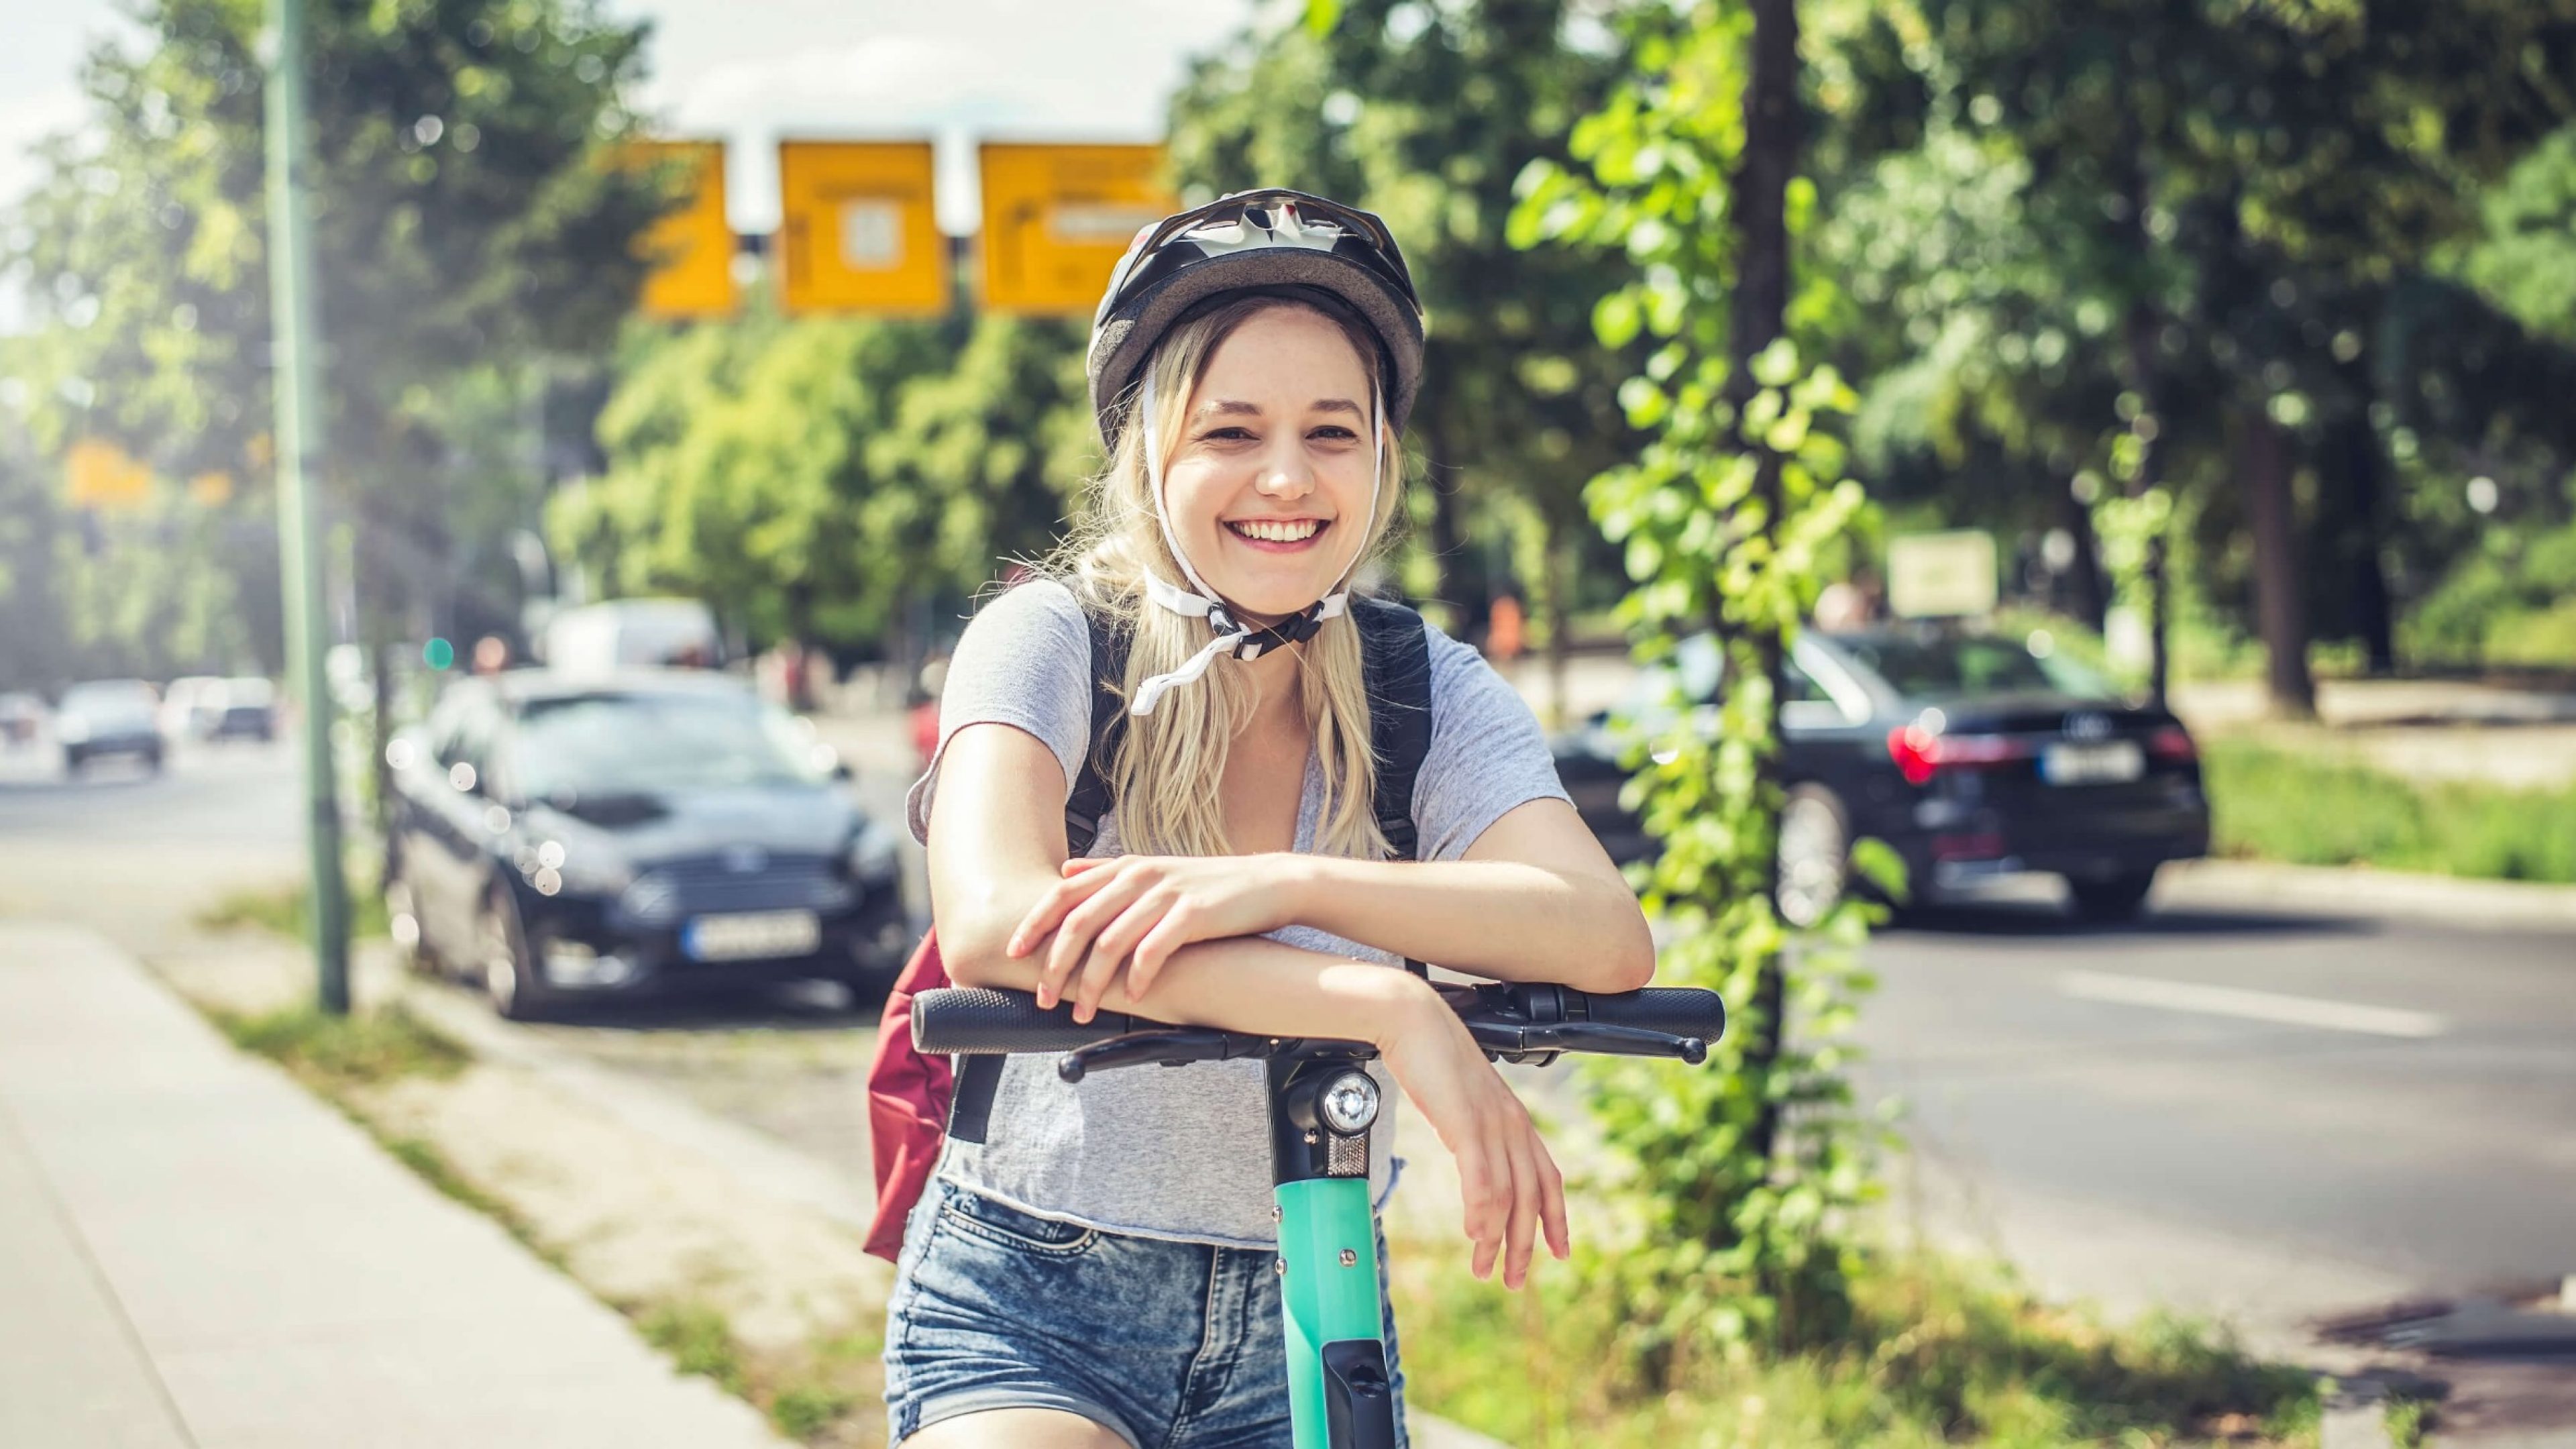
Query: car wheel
[509,968]
[1815,855]
[2113,898]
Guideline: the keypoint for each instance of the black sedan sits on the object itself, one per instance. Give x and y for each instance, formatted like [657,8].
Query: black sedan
[560,838]
[1973,755]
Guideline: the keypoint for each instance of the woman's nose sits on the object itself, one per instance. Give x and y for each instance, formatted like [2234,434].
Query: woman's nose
[1286,474]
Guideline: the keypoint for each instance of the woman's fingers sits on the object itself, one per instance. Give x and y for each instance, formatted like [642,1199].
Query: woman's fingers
[1560,1241]
[1145,964]
[1073,938]
[1518,1237]
[1043,917]
[1110,950]
[1490,1211]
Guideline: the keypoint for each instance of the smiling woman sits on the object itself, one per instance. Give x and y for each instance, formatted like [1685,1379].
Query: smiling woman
[1195,659]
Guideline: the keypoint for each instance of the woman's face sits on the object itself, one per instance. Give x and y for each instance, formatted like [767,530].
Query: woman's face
[1268,491]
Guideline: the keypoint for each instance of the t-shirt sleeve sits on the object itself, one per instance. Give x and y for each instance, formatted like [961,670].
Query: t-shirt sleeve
[1024,661]
[1487,756]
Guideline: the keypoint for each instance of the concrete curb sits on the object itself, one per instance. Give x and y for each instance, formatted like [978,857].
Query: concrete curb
[2357,890]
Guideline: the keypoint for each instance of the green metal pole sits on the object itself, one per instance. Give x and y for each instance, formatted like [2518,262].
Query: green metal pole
[294,333]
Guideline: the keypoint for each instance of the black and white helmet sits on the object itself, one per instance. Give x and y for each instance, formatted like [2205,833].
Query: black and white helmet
[1269,240]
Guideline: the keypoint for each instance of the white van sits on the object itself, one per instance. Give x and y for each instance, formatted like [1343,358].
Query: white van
[632,633]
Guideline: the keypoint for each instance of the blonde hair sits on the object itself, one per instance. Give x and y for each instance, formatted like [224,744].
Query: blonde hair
[1163,781]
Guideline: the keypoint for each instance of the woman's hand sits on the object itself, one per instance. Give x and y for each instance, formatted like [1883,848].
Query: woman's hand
[1134,911]
[1512,1188]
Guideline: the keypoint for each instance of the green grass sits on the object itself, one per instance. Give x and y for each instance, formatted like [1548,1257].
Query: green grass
[1938,1357]
[287,910]
[332,1052]
[2277,803]
[811,1395]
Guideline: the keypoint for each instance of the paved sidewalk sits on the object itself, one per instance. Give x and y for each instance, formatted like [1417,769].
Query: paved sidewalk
[193,1252]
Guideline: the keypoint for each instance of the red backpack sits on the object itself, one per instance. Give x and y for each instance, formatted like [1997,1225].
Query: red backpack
[916,1100]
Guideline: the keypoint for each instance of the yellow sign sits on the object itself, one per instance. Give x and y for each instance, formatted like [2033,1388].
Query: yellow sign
[856,229]
[1058,218]
[103,475]
[692,248]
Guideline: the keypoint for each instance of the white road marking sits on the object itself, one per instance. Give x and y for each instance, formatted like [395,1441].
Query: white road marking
[2252,1005]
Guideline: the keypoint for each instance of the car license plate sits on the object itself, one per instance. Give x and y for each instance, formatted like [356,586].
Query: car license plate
[752,935]
[2110,763]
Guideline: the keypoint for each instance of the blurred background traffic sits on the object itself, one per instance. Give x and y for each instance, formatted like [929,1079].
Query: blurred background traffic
[686,372]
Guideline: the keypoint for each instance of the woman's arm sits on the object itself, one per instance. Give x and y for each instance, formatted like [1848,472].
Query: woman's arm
[996,840]
[1534,900]
[996,844]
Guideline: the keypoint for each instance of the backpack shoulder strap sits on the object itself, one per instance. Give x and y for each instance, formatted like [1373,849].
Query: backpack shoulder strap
[1396,655]
[1090,798]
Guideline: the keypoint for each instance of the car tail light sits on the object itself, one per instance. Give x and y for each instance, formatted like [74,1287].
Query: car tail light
[1919,752]
[2172,742]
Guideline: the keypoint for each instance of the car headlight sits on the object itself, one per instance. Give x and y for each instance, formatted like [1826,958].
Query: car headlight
[873,854]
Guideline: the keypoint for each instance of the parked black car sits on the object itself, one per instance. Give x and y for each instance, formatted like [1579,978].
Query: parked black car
[1970,754]
[108,717]
[648,831]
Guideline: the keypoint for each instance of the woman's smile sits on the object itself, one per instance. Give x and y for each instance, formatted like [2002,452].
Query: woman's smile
[1278,535]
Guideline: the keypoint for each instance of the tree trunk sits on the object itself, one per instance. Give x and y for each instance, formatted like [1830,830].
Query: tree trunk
[2280,607]
[2090,592]
[1453,591]
[2373,617]
[1760,189]
[2139,331]
[1560,619]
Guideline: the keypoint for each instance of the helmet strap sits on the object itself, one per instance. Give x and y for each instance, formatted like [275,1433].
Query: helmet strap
[1234,637]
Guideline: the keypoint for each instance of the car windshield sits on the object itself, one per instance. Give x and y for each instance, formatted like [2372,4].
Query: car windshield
[1943,668]
[109,697]
[625,744]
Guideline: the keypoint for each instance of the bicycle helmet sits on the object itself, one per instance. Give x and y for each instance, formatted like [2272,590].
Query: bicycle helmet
[1303,248]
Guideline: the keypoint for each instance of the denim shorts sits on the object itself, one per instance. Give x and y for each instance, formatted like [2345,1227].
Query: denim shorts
[1168,1345]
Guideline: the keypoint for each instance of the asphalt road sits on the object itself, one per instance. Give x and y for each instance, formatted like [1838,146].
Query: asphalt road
[2270,1113]
[2383,1106]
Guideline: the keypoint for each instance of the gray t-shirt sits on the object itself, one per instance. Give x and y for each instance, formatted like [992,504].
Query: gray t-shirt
[1185,1154]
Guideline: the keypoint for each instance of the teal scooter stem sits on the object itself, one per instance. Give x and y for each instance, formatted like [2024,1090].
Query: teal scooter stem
[1340,1389]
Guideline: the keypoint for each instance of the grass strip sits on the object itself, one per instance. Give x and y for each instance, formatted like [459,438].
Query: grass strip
[287,910]
[1938,1356]
[2275,803]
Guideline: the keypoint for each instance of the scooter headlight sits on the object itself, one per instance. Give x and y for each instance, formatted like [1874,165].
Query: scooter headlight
[1349,1103]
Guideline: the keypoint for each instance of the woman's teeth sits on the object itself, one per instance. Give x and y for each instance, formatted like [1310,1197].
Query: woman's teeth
[1285,531]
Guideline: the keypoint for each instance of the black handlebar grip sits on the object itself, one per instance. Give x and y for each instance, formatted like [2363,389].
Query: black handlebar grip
[1676,1010]
[978,1020]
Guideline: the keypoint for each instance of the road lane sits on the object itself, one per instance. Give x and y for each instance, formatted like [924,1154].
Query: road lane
[2442,1162]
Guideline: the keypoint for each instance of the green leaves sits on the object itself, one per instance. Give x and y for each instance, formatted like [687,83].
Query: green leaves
[1723,522]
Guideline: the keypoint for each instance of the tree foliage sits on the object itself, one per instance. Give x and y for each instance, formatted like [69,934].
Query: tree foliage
[817,478]
[468,218]
[1741,1172]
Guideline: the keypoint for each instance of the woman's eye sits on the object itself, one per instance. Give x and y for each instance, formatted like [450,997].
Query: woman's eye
[1334,433]
[1225,435]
